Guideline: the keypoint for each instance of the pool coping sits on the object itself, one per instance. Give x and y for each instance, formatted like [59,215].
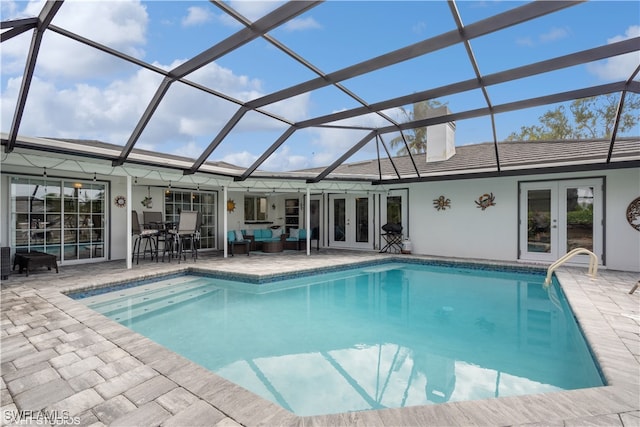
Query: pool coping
[617,364]
[265,279]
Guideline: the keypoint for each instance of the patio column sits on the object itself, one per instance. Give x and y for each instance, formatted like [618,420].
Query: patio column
[224,221]
[307,209]
[129,225]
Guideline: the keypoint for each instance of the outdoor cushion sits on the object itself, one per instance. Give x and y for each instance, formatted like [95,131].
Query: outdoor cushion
[261,234]
[294,233]
[302,233]
[239,236]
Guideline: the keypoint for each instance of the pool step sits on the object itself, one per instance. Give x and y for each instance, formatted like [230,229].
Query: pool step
[153,299]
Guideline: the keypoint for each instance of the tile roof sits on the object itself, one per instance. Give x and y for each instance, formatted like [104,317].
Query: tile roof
[515,158]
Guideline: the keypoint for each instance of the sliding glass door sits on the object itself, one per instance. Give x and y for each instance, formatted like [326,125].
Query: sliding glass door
[65,218]
[201,201]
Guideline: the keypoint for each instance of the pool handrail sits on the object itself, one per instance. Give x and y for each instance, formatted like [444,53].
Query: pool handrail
[593,263]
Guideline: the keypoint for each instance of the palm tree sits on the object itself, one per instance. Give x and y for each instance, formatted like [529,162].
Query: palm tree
[417,137]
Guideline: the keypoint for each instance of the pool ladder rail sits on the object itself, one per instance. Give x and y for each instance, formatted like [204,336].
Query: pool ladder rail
[593,263]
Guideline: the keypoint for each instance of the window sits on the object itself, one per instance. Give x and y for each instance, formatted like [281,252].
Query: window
[255,208]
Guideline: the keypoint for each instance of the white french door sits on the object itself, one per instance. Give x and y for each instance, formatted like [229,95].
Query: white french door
[349,221]
[559,216]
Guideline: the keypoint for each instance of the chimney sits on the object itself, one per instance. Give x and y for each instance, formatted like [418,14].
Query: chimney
[441,144]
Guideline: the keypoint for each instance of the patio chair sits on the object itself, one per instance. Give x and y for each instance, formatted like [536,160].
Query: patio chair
[188,232]
[154,220]
[232,241]
[149,236]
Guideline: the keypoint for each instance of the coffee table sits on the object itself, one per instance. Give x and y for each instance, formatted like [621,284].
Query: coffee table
[271,246]
[29,260]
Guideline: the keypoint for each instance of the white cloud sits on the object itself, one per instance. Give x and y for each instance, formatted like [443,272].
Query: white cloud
[419,28]
[524,41]
[82,110]
[81,93]
[254,10]
[189,149]
[18,9]
[285,160]
[196,16]
[242,158]
[554,34]
[8,9]
[619,67]
[631,32]
[78,92]
[300,24]
[330,144]
[119,25]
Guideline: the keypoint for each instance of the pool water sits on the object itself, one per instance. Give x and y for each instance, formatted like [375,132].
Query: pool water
[384,336]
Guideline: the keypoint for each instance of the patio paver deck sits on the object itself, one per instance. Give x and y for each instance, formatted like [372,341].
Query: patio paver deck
[59,356]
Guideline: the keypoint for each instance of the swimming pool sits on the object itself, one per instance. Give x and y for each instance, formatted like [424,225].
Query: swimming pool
[378,336]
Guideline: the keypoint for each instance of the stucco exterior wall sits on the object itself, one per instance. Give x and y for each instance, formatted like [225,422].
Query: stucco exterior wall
[466,231]
[622,241]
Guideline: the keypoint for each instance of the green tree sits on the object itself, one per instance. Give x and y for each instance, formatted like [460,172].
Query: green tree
[588,118]
[417,137]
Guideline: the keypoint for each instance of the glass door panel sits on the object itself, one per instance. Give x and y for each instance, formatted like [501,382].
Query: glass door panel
[349,221]
[314,220]
[579,212]
[581,217]
[362,219]
[339,220]
[539,221]
[559,216]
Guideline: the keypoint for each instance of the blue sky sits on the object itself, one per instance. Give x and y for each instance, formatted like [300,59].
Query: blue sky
[80,93]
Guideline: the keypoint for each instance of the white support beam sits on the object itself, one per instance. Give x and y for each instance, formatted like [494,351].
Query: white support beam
[129,225]
[307,221]
[225,220]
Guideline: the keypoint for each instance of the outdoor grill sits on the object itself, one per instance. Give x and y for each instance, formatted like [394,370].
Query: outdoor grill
[392,235]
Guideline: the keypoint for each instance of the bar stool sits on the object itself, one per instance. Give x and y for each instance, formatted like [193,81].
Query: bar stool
[149,236]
